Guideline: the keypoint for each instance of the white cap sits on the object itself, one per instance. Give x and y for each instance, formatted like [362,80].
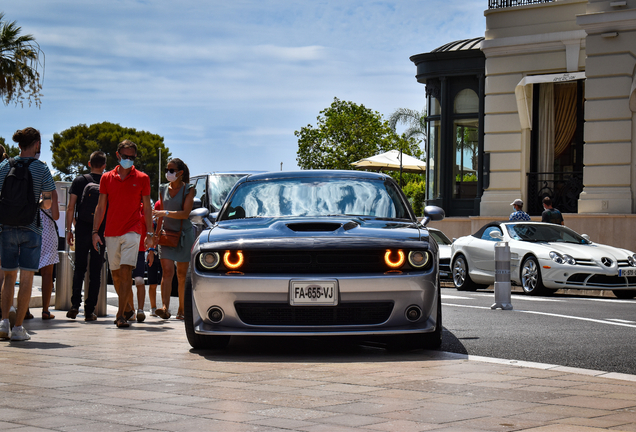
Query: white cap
[517,202]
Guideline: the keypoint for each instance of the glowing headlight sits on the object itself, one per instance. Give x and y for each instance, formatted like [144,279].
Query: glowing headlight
[233,263]
[631,259]
[557,257]
[209,260]
[418,259]
[389,258]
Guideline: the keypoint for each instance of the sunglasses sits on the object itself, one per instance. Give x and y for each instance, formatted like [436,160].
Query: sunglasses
[132,158]
[171,170]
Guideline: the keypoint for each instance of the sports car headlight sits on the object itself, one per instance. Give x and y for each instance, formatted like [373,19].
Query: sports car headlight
[394,259]
[557,257]
[419,259]
[568,259]
[631,259]
[209,260]
[233,262]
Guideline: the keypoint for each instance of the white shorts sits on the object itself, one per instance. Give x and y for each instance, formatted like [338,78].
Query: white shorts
[123,250]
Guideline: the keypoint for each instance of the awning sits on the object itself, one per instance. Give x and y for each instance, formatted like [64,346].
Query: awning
[391,161]
[523,92]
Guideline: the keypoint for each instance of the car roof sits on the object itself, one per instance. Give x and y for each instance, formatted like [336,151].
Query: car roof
[318,173]
[221,173]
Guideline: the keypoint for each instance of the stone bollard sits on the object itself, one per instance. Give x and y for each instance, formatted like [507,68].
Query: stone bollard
[502,277]
[64,280]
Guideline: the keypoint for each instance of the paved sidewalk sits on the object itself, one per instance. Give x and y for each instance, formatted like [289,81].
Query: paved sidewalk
[78,376]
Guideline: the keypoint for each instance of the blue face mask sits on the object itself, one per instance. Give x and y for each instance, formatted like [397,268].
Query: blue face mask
[126,163]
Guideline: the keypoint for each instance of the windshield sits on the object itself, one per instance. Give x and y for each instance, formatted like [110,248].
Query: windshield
[219,186]
[544,233]
[440,237]
[316,197]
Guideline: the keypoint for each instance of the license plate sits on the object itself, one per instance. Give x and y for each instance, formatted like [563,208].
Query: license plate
[627,272]
[313,293]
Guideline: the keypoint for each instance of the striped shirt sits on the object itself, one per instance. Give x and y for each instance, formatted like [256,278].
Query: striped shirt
[42,182]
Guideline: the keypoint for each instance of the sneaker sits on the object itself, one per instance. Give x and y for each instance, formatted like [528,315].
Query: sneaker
[90,317]
[72,313]
[19,333]
[12,316]
[5,329]
[141,315]
[153,312]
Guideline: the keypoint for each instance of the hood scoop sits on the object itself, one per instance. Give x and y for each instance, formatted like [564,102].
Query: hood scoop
[314,226]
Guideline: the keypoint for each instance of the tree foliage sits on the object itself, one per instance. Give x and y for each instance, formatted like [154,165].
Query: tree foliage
[72,149]
[10,150]
[345,133]
[20,62]
[414,120]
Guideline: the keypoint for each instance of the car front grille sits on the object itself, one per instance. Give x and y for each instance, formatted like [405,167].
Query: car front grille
[282,314]
[341,261]
[444,264]
[586,280]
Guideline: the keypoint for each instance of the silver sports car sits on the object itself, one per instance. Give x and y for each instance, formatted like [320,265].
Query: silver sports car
[316,253]
[544,258]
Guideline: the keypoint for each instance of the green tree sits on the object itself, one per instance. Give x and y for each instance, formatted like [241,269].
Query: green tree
[414,120]
[20,61]
[9,149]
[345,133]
[415,191]
[72,149]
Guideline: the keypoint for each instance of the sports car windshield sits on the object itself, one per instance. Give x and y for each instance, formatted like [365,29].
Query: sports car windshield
[312,197]
[544,233]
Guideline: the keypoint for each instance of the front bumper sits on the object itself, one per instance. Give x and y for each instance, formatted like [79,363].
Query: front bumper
[401,290]
[584,277]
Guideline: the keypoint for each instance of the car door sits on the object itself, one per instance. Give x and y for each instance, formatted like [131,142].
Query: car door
[482,251]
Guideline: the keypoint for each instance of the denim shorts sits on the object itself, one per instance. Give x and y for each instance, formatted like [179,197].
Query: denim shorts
[20,249]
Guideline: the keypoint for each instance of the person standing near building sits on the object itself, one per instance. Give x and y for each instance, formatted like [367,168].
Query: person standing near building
[518,214]
[48,253]
[83,198]
[123,190]
[551,214]
[26,185]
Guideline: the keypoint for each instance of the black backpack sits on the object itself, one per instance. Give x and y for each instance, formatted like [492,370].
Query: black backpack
[88,203]
[18,206]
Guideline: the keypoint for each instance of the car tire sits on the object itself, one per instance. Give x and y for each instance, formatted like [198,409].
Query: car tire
[198,341]
[461,276]
[531,280]
[625,294]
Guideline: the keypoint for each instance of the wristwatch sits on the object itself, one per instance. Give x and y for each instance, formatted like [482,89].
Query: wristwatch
[150,234]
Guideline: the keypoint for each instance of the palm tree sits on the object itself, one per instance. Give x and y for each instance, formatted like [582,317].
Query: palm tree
[20,61]
[416,122]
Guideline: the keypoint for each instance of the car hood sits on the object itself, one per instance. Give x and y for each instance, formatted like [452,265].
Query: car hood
[327,232]
[592,251]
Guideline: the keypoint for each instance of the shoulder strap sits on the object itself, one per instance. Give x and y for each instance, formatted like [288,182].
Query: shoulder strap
[89,178]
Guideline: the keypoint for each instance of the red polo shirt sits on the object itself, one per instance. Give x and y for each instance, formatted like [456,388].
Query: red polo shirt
[124,199]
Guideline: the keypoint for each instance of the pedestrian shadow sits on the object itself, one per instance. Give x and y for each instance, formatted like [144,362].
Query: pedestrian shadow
[32,345]
[320,349]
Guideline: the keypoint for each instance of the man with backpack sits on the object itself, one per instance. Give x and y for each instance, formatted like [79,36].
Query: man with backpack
[550,214]
[26,185]
[83,198]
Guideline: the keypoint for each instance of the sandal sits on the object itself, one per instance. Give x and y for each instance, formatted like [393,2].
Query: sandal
[180,317]
[163,313]
[28,315]
[122,323]
[46,315]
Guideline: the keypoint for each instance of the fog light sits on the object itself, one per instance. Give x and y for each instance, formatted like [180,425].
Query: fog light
[413,313]
[215,314]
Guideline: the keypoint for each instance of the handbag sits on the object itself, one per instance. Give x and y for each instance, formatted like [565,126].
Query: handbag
[171,238]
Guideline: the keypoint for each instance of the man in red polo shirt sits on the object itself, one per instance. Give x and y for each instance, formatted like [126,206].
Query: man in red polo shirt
[123,190]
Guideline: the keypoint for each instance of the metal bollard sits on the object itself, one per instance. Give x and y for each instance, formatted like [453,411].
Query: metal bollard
[64,280]
[502,277]
[101,307]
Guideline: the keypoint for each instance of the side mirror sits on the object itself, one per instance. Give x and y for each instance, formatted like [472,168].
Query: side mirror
[197,215]
[432,213]
[453,240]
[587,238]
[197,204]
[496,235]
[212,217]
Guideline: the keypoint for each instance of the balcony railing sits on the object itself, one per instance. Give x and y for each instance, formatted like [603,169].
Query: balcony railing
[563,188]
[497,4]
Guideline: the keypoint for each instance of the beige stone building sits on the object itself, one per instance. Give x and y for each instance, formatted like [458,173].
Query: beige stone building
[556,116]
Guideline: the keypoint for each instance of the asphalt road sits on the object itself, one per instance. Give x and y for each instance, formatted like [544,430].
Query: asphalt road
[568,330]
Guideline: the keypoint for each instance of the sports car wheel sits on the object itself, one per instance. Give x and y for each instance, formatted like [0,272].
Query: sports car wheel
[531,281]
[198,341]
[624,294]
[461,278]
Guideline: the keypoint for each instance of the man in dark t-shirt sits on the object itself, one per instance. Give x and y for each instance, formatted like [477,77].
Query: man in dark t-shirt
[83,241]
[551,214]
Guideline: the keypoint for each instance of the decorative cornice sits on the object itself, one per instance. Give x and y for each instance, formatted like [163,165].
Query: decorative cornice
[532,43]
[601,22]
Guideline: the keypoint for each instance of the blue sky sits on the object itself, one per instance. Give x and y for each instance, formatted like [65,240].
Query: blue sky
[226,83]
